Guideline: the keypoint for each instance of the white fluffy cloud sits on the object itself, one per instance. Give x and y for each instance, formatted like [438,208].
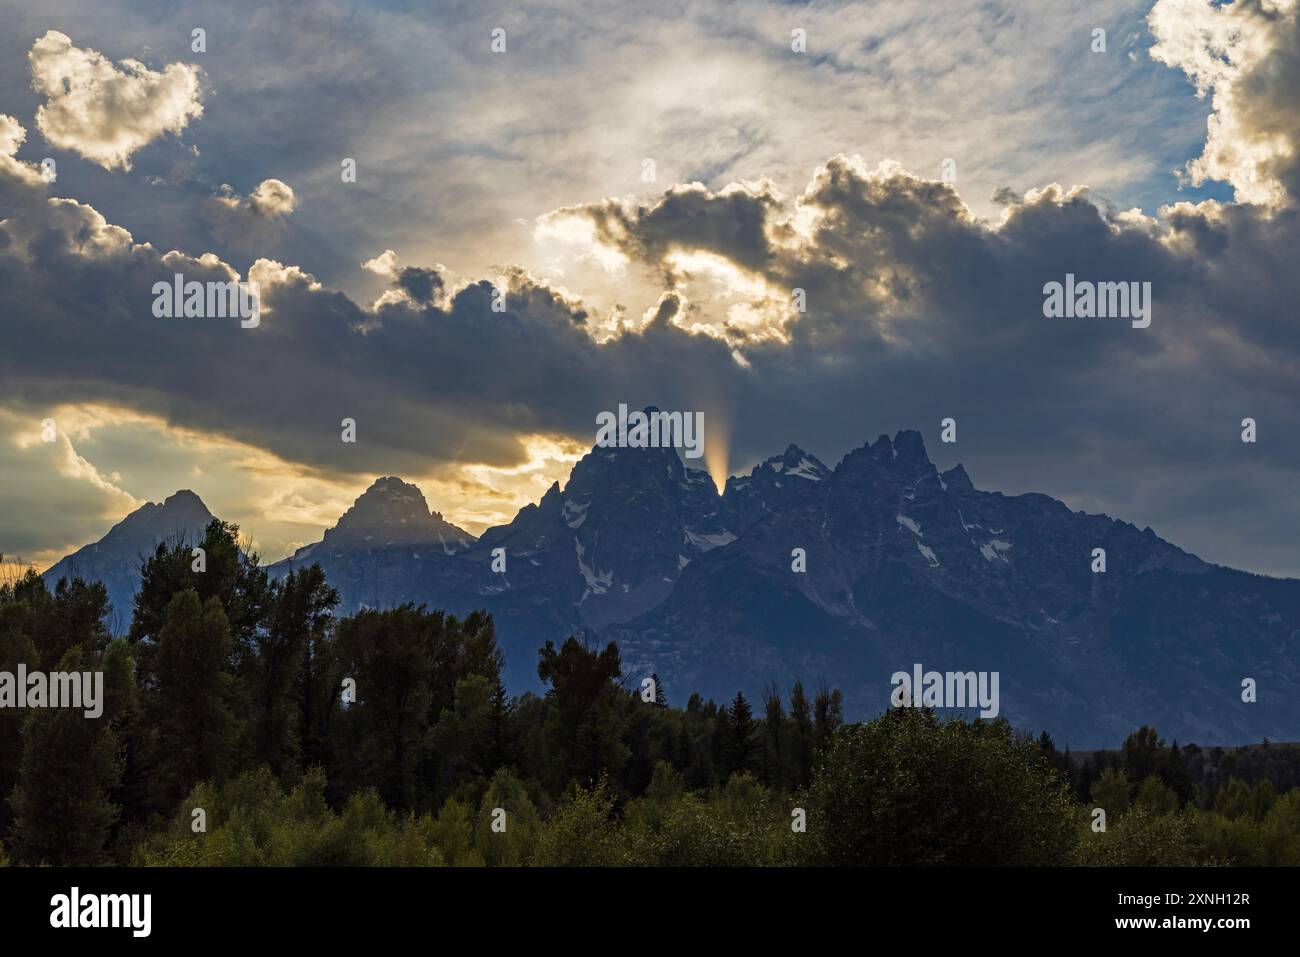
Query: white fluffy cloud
[1244,53]
[254,220]
[106,112]
[12,135]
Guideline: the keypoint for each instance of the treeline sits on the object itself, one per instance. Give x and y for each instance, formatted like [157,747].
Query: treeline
[1173,805]
[244,723]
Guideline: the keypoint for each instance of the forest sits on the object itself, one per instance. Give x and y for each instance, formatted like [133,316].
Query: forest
[245,723]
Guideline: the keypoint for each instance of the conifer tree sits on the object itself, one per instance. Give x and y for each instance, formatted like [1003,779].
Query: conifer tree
[661,697]
[744,734]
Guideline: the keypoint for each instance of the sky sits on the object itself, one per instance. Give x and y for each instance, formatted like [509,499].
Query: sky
[650,193]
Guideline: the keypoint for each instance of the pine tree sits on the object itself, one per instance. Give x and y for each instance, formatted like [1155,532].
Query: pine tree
[661,698]
[744,733]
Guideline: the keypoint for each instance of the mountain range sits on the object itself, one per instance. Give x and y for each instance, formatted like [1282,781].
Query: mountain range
[902,564]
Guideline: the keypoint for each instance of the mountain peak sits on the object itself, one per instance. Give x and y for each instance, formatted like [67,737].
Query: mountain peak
[393,512]
[183,495]
[182,511]
[956,479]
[794,461]
[910,447]
[115,558]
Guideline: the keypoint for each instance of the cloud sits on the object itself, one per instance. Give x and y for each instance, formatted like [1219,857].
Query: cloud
[59,494]
[12,135]
[417,285]
[103,112]
[251,222]
[1248,55]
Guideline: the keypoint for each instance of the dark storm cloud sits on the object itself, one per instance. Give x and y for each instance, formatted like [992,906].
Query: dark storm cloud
[731,223]
[422,285]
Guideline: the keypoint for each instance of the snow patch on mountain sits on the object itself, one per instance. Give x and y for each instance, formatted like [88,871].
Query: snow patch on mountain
[597,582]
[909,524]
[575,514]
[706,542]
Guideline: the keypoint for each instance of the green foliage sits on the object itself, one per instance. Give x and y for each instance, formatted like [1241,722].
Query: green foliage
[232,574]
[736,741]
[452,833]
[251,821]
[585,725]
[1222,840]
[70,764]
[192,708]
[1140,838]
[908,788]
[302,610]
[743,825]
[1111,791]
[1280,831]
[1156,797]
[580,833]
[465,735]
[1236,799]
[512,846]
[15,648]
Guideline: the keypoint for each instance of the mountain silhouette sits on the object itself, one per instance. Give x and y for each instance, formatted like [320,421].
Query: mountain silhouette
[117,557]
[376,556]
